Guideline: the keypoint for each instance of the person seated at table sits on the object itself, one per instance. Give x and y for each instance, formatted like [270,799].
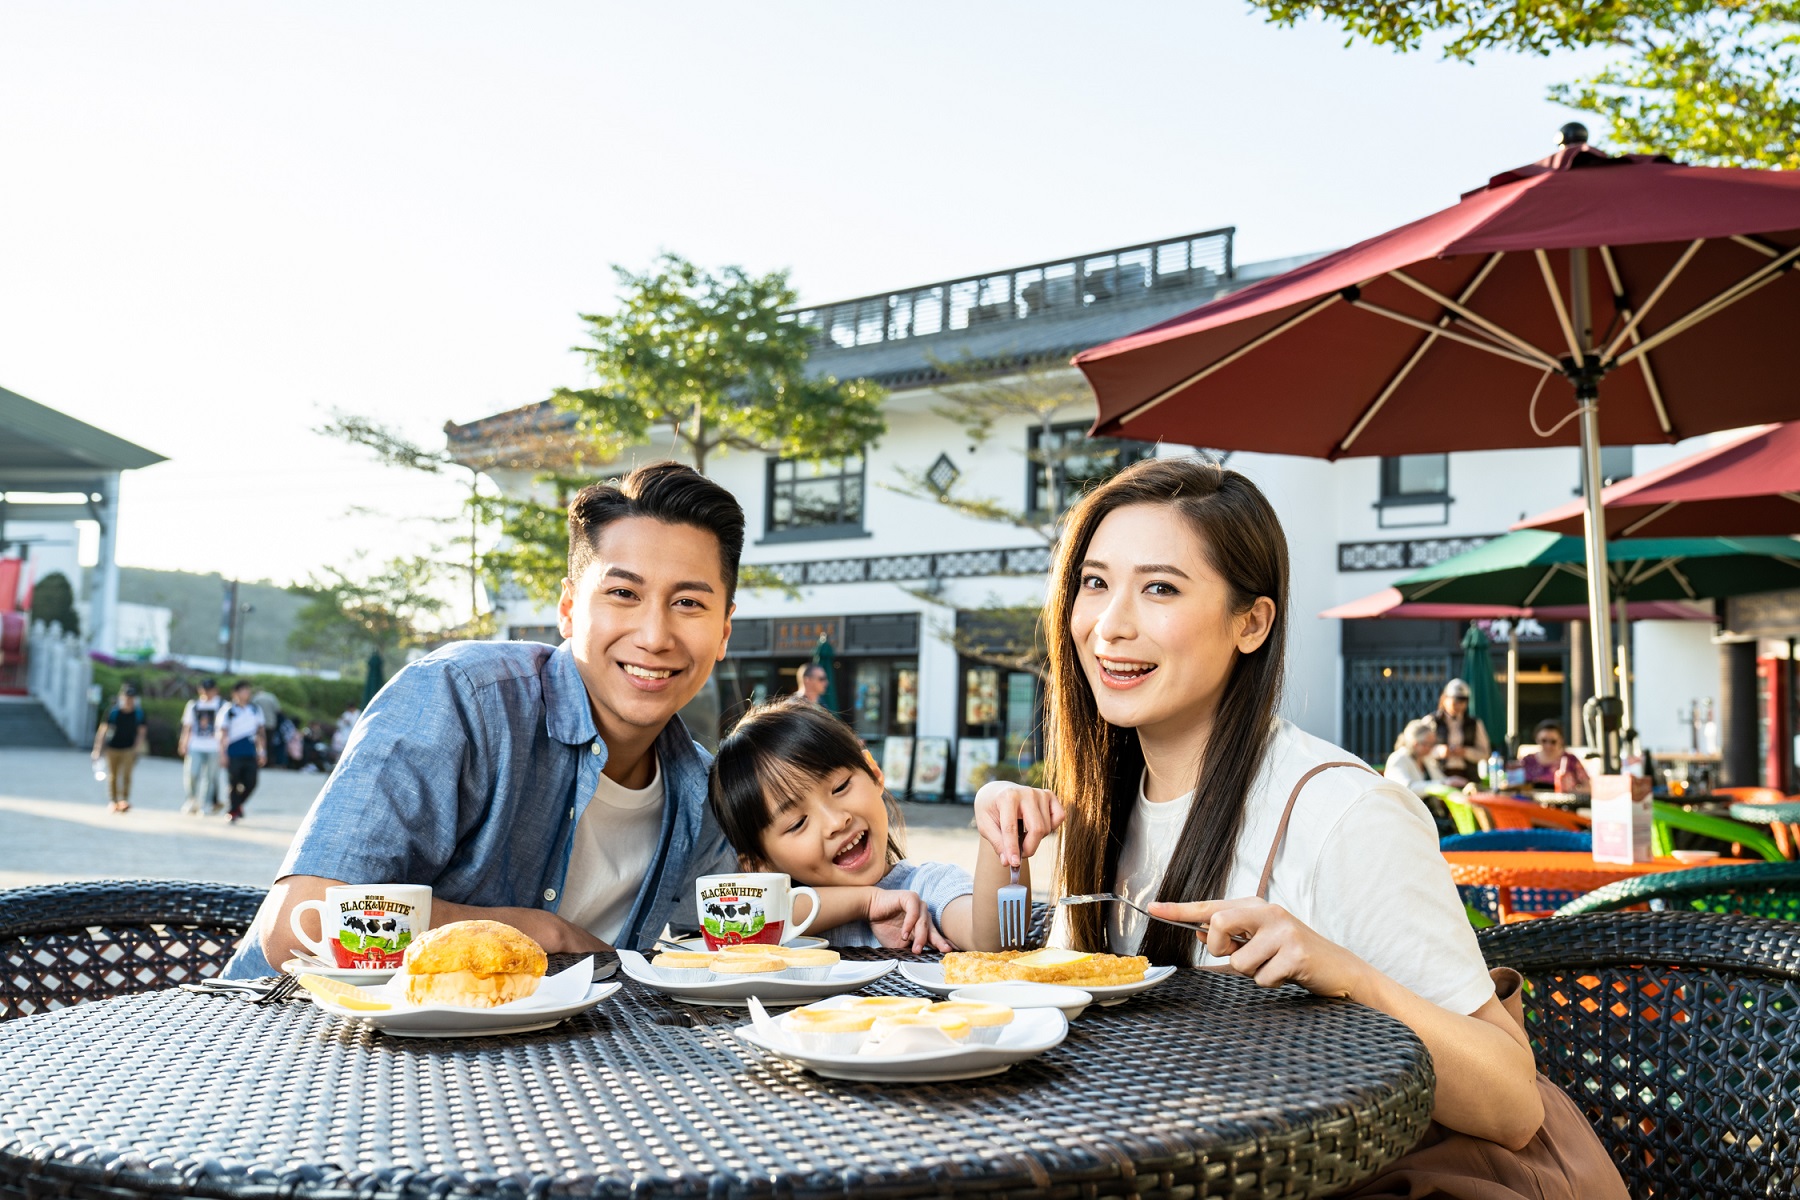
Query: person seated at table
[1462,740]
[1552,755]
[553,789]
[1413,764]
[796,792]
[1167,620]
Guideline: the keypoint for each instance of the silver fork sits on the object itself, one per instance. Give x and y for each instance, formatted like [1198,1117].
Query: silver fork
[1015,906]
[1115,898]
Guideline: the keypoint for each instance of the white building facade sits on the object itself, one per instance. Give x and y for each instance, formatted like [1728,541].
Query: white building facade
[889,579]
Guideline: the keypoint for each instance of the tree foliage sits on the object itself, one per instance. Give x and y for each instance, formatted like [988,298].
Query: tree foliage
[712,357]
[386,610]
[53,600]
[1709,82]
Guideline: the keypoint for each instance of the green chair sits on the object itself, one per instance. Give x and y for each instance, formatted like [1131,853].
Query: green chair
[1769,890]
[1462,814]
[1670,816]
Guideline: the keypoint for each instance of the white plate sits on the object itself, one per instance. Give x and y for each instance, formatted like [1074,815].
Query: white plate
[558,997]
[805,942]
[770,989]
[1033,1031]
[930,976]
[360,976]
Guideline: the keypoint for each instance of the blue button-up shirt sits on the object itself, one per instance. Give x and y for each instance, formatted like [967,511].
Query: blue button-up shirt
[470,772]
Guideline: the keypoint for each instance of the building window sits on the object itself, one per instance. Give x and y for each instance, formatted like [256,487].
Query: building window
[1415,479]
[815,499]
[1615,464]
[1081,462]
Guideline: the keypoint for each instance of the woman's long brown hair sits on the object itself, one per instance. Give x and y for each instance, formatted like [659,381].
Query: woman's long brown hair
[1095,767]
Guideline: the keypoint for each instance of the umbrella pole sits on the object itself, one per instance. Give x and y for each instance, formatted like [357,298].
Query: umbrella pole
[1628,730]
[1512,686]
[1601,715]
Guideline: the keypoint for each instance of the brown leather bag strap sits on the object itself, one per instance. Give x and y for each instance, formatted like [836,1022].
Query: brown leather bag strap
[1262,885]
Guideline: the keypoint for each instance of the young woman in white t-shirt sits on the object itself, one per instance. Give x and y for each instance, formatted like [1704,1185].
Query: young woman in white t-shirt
[1167,617]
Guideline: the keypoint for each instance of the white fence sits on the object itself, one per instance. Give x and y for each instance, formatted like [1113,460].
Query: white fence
[59,675]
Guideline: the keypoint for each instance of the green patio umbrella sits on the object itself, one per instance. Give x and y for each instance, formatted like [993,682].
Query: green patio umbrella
[1485,701]
[373,680]
[823,656]
[1532,568]
[1535,568]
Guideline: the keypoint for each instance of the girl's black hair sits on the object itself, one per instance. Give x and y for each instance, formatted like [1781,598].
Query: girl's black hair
[773,756]
[1544,726]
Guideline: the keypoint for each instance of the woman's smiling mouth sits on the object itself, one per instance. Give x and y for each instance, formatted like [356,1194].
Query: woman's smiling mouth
[1123,673]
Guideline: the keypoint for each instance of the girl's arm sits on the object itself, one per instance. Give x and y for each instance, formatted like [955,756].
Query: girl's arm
[980,927]
[897,916]
[1486,1076]
[837,906]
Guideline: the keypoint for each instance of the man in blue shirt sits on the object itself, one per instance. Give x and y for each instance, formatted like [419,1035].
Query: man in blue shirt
[554,790]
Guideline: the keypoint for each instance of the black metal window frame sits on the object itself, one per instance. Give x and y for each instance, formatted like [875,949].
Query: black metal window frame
[1037,481]
[1393,494]
[1612,458]
[852,499]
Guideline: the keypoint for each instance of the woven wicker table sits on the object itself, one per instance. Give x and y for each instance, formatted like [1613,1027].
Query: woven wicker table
[1206,1086]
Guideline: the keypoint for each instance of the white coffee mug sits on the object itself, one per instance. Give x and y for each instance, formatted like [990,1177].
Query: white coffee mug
[366,926]
[751,906]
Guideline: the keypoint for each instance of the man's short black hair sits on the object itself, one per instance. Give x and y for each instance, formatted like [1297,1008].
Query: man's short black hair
[242,683]
[670,492]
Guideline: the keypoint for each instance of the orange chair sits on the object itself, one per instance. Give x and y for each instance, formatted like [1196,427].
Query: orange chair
[1505,812]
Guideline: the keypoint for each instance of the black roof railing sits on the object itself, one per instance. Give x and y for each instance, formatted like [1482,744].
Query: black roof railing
[1063,288]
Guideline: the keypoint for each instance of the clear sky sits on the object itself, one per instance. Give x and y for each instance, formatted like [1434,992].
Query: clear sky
[222,219]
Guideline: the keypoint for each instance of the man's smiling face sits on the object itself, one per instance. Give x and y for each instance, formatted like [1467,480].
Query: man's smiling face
[646,621]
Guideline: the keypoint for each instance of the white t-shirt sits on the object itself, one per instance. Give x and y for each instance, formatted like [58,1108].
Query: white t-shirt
[1360,866]
[614,844]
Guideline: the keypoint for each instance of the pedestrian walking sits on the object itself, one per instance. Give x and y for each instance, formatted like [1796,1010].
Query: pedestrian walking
[121,738]
[244,745]
[270,704]
[198,746]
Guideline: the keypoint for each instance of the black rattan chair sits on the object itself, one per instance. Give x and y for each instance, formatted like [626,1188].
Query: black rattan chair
[64,943]
[1750,890]
[1678,1034]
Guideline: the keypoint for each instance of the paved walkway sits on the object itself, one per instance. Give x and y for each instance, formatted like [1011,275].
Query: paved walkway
[55,825]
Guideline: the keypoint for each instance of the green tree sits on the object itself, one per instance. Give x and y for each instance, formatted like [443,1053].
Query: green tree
[1712,82]
[53,600]
[387,610]
[715,358]
[397,450]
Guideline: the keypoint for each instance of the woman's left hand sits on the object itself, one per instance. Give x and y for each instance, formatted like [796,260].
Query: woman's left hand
[1280,947]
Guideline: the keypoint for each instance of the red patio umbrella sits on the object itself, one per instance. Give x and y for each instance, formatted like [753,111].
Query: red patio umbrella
[1749,486]
[1443,334]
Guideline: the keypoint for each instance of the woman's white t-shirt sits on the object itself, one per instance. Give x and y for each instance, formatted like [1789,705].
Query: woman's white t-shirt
[1360,866]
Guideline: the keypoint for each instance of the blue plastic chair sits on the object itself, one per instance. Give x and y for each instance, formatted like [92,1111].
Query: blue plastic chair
[1520,839]
[1486,900]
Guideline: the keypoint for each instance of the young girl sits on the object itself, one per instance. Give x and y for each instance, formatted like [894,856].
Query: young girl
[795,792]
[1167,610]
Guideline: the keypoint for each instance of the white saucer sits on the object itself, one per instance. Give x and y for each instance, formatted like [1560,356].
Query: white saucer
[774,990]
[799,943]
[360,976]
[1032,1032]
[559,997]
[930,976]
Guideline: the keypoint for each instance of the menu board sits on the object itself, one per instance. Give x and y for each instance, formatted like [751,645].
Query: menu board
[931,768]
[975,756]
[896,763]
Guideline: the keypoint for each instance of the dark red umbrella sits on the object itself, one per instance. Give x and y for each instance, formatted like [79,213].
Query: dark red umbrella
[1749,486]
[1657,291]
